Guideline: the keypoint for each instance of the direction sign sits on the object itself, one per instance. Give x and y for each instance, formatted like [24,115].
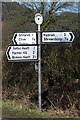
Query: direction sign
[24,38]
[51,37]
[19,53]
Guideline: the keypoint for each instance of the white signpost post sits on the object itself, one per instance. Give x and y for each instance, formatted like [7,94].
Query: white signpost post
[38,21]
[24,38]
[57,37]
[21,53]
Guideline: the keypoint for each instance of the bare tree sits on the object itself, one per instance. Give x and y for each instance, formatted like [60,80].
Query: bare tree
[47,9]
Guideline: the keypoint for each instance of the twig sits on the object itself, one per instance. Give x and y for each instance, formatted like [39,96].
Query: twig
[69,99]
[51,102]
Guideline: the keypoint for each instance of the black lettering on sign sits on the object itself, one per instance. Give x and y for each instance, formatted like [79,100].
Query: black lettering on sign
[64,34]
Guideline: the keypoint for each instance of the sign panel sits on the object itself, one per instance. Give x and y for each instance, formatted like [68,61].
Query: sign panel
[18,53]
[51,37]
[24,38]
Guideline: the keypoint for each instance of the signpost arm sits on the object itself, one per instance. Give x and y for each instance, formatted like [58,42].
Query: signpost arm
[39,66]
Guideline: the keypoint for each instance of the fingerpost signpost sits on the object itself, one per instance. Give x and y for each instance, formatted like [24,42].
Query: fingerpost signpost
[26,47]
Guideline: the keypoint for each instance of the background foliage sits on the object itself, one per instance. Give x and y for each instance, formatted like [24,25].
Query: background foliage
[60,62]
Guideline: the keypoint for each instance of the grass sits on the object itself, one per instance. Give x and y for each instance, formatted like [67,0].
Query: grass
[0,108]
[9,110]
[12,110]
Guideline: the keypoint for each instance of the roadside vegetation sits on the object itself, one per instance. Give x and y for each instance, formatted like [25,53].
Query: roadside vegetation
[60,66]
[13,110]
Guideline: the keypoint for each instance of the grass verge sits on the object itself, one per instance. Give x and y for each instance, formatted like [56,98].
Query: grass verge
[10,110]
